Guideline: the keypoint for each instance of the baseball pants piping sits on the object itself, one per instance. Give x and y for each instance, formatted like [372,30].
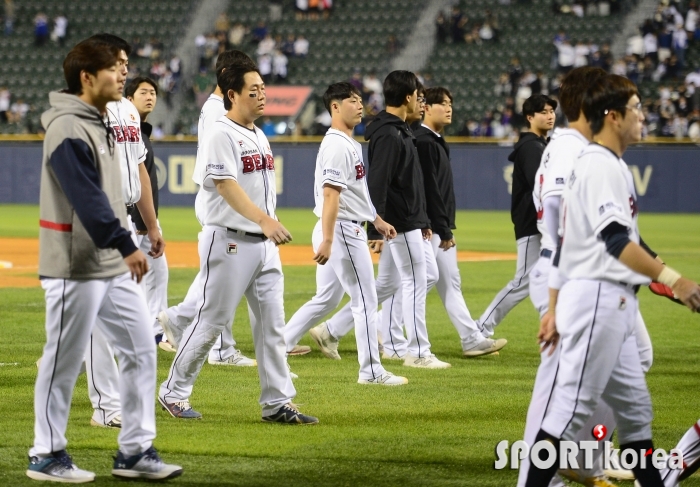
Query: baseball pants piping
[516,290]
[154,282]
[232,266]
[118,307]
[102,377]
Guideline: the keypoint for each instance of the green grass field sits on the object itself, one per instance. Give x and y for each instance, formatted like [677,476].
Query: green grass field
[439,430]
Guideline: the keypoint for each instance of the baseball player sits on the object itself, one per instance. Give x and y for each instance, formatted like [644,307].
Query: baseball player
[340,242]
[142,92]
[539,113]
[396,187]
[89,268]
[557,162]
[123,120]
[434,157]
[603,265]
[690,446]
[238,253]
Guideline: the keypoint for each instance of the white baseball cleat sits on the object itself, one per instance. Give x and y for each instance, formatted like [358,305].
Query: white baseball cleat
[485,347]
[169,329]
[427,362]
[237,359]
[115,422]
[392,355]
[619,474]
[386,379]
[299,350]
[165,345]
[291,374]
[326,342]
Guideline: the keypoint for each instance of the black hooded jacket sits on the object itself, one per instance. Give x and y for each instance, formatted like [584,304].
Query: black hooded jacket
[526,158]
[434,157]
[395,178]
[146,129]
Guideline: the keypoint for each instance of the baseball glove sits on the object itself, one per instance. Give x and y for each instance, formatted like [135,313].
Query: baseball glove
[665,291]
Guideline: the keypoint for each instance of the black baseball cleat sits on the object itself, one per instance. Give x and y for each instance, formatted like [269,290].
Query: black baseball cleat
[289,414]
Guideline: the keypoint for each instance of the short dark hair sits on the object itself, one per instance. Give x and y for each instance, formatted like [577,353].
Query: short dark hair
[609,93]
[136,82]
[229,58]
[233,78]
[535,104]
[339,92]
[91,55]
[115,41]
[437,95]
[397,86]
[573,88]
[420,89]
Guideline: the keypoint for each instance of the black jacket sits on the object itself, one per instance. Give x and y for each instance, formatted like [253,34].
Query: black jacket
[526,160]
[146,129]
[395,178]
[434,155]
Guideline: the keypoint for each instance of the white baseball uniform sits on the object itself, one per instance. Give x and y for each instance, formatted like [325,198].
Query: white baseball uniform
[690,446]
[557,163]
[349,268]
[102,372]
[597,306]
[236,259]
[182,314]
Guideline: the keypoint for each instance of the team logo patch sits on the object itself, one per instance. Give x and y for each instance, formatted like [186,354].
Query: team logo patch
[231,248]
[560,180]
[357,232]
[133,119]
[623,302]
[359,171]
[240,142]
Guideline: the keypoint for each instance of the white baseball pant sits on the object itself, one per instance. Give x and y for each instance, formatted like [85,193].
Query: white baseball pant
[154,282]
[233,265]
[516,290]
[690,446]
[184,313]
[404,268]
[449,288]
[599,360]
[102,377]
[118,307]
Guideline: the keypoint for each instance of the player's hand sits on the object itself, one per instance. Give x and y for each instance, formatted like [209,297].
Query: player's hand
[376,246]
[324,253]
[137,264]
[275,231]
[427,233]
[548,335]
[688,292]
[386,229]
[157,243]
[447,244]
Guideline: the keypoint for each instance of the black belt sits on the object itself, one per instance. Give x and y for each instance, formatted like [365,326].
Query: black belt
[130,209]
[633,287]
[546,253]
[248,234]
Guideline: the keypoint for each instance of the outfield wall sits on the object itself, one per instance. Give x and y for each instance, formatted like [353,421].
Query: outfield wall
[667,177]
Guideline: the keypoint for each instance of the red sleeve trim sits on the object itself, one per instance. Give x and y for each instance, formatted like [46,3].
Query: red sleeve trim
[59,227]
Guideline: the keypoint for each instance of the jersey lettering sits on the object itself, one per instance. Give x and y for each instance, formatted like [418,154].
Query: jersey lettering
[633,206]
[118,135]
[359,171]
[248,164]
[270,162]
[133,134]
[255,163]
[126,134]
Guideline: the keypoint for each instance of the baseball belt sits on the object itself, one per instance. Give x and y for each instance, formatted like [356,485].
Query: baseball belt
[247,234]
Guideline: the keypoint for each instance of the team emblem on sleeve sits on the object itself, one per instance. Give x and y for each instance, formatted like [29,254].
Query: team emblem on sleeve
[359,171]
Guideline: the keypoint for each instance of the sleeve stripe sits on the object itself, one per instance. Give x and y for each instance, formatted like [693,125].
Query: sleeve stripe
[611,218]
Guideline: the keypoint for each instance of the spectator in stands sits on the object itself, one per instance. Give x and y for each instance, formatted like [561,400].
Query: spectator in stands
[158,69]
[266,45]
[41,29]
[168,87]
[458,23]
[392,45]
[18,111]
[673,69]
[567,56]
[356,80]
[9,16]
[222,24]
[4,103]
[691,20]
[302,9]
[288,45]
[260,31]
[275,10]
[665,44]
[680,44]
[144,51]
[581,53]
[268,127]
[486,32]
[515,71]
[237,34]
[327,6]
[371,84]
[651,46]
[443,29]
[265,67]
[279,66]
[313,9]
[175,66]
[301,46]
[202,86]
[503,86]
[60,29]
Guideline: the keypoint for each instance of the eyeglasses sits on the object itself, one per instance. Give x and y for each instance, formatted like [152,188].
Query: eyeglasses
[637,107]
[421,99]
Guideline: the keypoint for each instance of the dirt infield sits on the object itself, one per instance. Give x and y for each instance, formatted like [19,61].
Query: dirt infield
[19,258]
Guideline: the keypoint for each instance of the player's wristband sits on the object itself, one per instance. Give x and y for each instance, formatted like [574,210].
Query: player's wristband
[668,276]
